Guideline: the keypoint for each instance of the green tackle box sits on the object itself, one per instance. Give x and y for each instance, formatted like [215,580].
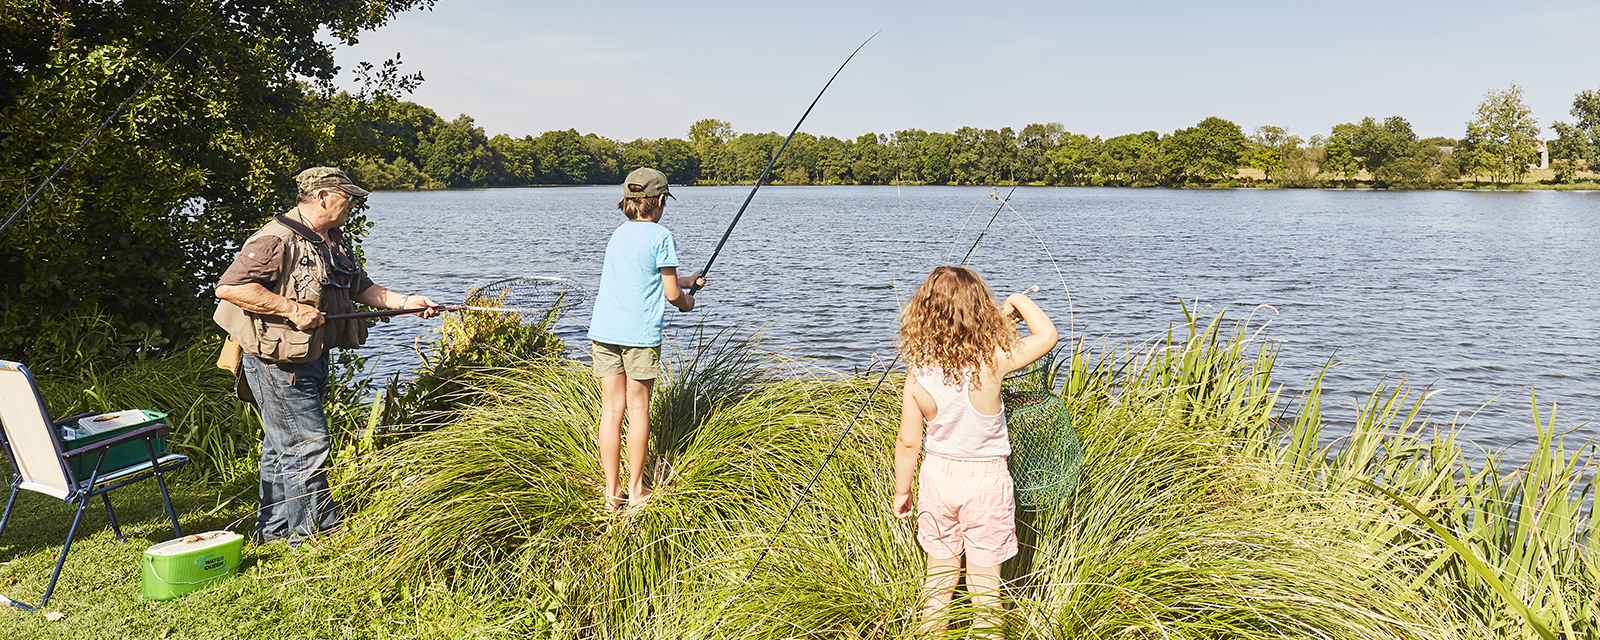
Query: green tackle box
[191,563]
[122,455]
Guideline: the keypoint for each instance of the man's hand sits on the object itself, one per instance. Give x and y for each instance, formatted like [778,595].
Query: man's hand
[413,301]
[305,317]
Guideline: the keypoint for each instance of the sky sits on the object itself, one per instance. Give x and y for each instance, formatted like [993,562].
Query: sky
[627,70]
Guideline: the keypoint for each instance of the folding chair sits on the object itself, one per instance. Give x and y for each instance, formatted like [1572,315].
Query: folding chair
[33,442]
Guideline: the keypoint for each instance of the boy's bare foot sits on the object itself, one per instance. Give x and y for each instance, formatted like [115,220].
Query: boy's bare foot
[638,499]
[613,503]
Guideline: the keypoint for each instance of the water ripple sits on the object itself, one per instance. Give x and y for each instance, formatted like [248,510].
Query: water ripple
[1485,295]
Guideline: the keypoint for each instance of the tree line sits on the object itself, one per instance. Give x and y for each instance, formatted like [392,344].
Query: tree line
[117,257]
[419,149]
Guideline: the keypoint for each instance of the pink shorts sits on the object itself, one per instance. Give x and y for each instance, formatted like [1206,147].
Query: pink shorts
[966,507]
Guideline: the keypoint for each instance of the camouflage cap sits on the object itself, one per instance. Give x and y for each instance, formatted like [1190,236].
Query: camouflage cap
[327,178]
[645,182]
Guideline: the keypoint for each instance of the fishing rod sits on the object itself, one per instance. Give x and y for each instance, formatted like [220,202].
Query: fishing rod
[864,403]
[108,120]
[985,231]
[762,178]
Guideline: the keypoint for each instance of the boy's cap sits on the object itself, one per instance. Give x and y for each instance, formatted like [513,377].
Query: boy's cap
[645,182]
[327,178]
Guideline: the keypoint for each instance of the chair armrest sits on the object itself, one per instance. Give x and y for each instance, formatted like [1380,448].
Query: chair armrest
[157,430]
[71,419]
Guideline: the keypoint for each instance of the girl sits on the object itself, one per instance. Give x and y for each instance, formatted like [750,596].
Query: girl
[958,345]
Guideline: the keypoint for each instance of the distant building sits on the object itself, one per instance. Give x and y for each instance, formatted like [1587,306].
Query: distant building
[1544,155]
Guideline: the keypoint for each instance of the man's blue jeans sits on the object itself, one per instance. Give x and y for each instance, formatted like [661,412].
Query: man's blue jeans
[295,500]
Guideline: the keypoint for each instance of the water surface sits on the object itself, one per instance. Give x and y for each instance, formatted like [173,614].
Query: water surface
[1487,297]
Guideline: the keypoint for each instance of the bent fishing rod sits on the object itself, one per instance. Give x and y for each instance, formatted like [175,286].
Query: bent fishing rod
[865,402]
[695,288]
[108,120]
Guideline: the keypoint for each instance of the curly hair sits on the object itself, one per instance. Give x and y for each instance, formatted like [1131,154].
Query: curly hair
[953,324]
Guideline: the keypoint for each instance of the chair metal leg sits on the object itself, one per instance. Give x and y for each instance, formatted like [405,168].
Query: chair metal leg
[113,516]
[3,519]
[167,500]
[63,559]
[9,502]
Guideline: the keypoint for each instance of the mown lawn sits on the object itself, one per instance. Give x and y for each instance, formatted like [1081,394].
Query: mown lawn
[274,595]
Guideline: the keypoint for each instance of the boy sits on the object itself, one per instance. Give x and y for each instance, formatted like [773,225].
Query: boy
[641,271]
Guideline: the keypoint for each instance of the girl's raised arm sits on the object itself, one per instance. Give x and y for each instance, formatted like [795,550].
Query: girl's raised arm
[1041,339]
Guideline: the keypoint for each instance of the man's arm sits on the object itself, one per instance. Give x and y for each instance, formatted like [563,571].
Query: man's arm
[377,296]
[255,298]
[676,296]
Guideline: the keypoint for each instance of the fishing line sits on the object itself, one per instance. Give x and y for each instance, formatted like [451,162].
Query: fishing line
[1072,327]
[864,403]
[825,459]
[695,288]
[703,223]
[963,230]
[108,120]
[992,216]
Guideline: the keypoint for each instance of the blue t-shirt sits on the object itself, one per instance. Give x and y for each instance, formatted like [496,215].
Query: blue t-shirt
[627,310]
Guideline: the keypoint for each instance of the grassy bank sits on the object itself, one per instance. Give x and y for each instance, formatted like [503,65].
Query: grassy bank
[1209,506]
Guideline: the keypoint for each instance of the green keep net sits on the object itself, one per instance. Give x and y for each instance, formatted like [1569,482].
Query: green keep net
[1046,455]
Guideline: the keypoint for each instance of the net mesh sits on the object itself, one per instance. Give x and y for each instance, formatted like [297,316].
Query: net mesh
[1046,455]
[534,299]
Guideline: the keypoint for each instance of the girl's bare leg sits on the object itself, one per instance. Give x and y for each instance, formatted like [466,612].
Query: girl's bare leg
[613,404]
[638,439]
[937,589]
[984,583]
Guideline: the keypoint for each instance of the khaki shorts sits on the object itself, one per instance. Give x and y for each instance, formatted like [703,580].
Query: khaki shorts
[640,363]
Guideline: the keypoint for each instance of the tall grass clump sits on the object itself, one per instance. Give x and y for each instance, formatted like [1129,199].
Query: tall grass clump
[1209,506]
[1182,527]
[1463,527]
[506,502]
[209,423]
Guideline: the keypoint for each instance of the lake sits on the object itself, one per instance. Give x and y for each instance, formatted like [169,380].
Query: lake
[1485,298]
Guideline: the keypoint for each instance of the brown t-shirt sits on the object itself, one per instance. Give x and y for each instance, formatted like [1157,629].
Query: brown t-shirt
[261,261]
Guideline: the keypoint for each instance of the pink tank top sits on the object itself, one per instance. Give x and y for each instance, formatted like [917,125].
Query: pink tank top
[958,431]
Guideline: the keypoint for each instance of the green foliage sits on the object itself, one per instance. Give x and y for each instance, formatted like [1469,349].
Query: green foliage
[1586,108]
[376,173]
[1034,143]
[1500,139]
[563,157]
[1270,145]
[1571,144]
[458,154]
[116,259]
[1208,506]
[209,424]
[1210,150]
[678,161]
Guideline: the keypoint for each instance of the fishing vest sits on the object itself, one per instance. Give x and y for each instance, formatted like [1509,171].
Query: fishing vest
[304,278]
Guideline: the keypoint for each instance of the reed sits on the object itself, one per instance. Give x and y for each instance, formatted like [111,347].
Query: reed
[1211,505]
[209,423]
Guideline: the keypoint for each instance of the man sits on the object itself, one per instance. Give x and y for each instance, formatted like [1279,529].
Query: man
[289,275]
